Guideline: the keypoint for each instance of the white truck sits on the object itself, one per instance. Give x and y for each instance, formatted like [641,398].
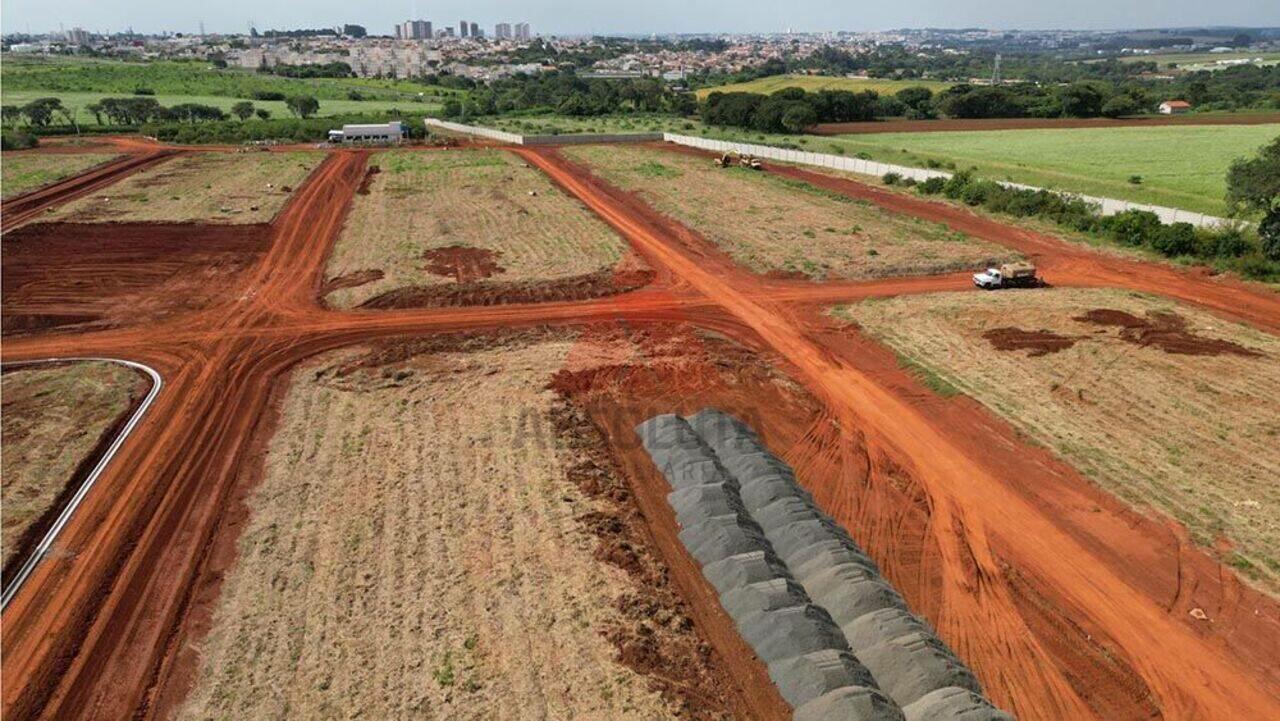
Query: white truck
[1019,274]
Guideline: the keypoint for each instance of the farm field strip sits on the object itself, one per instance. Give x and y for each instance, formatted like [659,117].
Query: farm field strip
[775,225]
[24,173]
[199,187]
[1177,166]
[1187,430]
[460,217]
[177,482]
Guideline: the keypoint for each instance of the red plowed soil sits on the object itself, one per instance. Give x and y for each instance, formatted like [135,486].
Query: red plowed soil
[1067,604]
[584,287]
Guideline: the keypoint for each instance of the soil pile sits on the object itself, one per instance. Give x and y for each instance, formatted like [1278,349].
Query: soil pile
[1036,342]
[1165,330]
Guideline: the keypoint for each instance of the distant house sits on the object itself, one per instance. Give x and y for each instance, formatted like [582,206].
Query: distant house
[392,132]
[1174,107]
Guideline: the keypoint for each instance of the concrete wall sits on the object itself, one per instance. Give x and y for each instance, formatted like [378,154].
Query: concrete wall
[566,139]
[1107,206]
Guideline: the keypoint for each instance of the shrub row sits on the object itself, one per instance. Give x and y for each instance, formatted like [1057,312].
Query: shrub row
[1229,248]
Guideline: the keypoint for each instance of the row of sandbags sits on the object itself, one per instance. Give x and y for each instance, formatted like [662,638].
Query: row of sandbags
[838,640]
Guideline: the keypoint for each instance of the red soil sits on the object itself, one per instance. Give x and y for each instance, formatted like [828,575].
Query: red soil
[1165,330]
[462,263]
[935,126]
[1035,342]
[1067,603]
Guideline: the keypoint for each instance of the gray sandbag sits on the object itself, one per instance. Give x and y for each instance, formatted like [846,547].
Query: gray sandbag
[882,625]
[697,503]
[805,678]
[818,557]
[744,569]
[716,427]
[787,632]
[785,511]
[851,703]
[750,467]
[909,667]
[792,539]
[954,704]
[696,471]
[669,457]
[666,431]
[765,490]
[718,538]
[769,595]
[849,591]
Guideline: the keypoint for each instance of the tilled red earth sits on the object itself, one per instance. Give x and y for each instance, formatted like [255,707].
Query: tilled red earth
[1067,603]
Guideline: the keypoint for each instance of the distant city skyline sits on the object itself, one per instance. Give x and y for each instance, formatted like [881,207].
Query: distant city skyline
[579,17]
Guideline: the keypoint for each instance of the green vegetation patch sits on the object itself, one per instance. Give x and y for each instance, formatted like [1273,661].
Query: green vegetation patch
[811,83]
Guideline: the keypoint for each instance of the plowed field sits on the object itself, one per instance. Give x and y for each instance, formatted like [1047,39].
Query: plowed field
[1157,402]
[431,228]
[205,187]
[772,224]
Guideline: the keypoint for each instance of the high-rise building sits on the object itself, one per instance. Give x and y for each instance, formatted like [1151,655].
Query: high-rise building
[475,30]
[502,31]
[78,36]
[414,30]
[463,28]
[522,31]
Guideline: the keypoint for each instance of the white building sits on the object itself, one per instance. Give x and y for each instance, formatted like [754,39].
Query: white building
[502,31]
[522,31]
[1175,107]
[392,132]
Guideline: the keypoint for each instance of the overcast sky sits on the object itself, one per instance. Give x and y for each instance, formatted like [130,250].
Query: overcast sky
[610,16]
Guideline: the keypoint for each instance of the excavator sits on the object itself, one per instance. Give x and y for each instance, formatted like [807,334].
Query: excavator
[727,160]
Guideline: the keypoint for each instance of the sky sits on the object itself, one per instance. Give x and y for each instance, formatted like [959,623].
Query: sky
[572,17]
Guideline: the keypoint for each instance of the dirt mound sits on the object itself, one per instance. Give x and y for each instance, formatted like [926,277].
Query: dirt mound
[1165,330]
[1035,342]
[349,280]
[367,180]
[582,287]
[462,263]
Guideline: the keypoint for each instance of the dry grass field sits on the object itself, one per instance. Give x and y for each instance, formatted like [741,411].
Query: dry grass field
[1166,406]
[416,549]
[436,218]
[201,187]
[768,223]
[53,417]
[21,172]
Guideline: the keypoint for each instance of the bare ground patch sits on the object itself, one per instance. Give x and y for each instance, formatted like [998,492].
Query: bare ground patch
[200,187]
[442,224]
[436,537]
[775,225]
[1160,403]
[54,418]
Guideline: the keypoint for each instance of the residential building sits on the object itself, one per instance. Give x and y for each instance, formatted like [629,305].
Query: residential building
[78,36]
[414,30]
[463,28]
[522,31]
[502,31]
[1175,107]
[475,31]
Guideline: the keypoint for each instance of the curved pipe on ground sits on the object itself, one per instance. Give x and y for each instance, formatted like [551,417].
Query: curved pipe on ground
[15,584]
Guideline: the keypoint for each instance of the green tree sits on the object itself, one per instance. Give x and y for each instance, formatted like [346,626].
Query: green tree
[303,106]
[95,109]
[1253,184]
[798,117]
[1121,105]
[40,112]
[242,110]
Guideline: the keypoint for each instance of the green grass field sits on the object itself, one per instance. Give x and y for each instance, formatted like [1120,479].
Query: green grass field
[79,101]
[1181,167]
[1199,59]
[811,83]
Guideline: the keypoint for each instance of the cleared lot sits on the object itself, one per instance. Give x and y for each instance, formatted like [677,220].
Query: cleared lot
[27,171]
[418,548]
[1162,404]
[54,416]
[202,187]
[428,220]
[767,223]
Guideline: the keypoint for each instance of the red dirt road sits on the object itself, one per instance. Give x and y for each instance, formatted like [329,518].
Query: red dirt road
[1011,569]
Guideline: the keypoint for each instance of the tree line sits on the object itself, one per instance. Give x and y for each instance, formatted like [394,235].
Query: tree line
[42,113]
[565,93]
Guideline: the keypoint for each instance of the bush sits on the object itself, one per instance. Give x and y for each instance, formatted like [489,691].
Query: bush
[932,186]
[268,95]
[1175,239]
[1132,227]
[956,184]
[892,178]
[18,140]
